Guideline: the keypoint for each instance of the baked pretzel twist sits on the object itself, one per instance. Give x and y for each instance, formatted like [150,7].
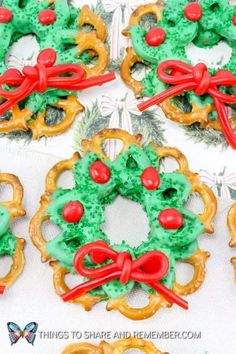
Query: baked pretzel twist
[14,207]
[231,221]
[118,347]
[197,261]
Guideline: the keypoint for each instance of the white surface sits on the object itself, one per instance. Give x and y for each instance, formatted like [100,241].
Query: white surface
[32,298]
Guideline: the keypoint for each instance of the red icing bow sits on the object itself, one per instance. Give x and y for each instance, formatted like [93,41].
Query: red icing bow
[185,77]
[149,269]
[42,76]
[2,289]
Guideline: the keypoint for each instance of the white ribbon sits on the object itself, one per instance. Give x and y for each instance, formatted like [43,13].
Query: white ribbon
[220,183]
[119,111]
[122,10]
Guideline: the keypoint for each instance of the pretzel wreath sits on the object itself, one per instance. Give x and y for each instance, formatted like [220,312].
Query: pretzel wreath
[9,244]
[59,28]
[187,94]
[119,347]
[134,174]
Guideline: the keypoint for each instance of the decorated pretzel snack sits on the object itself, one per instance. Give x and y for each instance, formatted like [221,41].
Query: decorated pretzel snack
[232,229]
[186,93]
[64,64]
[119,347]
[9,244]
[110,271]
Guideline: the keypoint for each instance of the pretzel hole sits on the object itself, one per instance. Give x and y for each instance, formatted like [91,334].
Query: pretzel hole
[215,7]
[22,52]
[182,103]
[137,298]
[112,147]
[139,71]
[148,21]
[6,192]
[126,221]
[66,180]
[215,57]
[22,3]
[73,280]
[184,272]
[195,204]
[134,351]
[168,164]
[5,264]
[5,116]
[50,230]
[169,193]
[54,115]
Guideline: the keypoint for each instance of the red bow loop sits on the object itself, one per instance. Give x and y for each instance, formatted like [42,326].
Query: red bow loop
[149,268]
[45,74]
[184,77]
[2,289]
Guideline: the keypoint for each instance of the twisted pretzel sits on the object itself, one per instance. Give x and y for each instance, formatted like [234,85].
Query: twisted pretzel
[231,221]
[197,261]
[71,107]
[119,347]
[93,42]
[14,207]
[198,114]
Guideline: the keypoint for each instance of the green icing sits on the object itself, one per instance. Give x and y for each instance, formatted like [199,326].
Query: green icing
[126,170]
[7,240]
[215,25]
[59,36]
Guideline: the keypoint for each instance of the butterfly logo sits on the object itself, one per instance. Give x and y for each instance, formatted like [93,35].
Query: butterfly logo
[15,332]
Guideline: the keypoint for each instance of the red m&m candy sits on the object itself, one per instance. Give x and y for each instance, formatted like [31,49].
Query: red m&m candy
[47,17]
[5,15]
[99,172]
[234,20]
[170,219]
[150,178]
[73,212]
[193,11]
[155,36]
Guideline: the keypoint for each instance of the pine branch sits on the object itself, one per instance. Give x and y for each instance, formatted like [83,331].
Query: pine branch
[92,121]
[209,137]
[150,125]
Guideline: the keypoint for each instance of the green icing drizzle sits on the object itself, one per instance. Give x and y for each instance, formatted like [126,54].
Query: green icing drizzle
[215,25]
[126,170]
[59,36]
[7,240]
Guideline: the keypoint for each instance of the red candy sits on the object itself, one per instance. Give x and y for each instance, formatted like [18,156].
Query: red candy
[5,15]
[73,212]
[97,256]
[170,219]
[155,36]
[150,178]
[234,20]
[99,172]
[47,17]
[193,11]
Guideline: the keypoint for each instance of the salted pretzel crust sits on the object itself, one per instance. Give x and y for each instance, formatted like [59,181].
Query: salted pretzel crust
[231,221]
[118,347]
[94,43]
[14,207]
[198,114]
[197,261]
